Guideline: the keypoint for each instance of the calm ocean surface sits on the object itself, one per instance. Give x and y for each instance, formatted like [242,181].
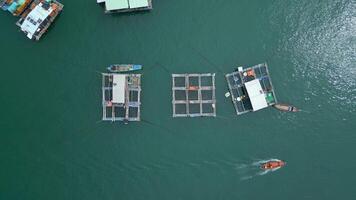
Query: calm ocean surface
[53,144]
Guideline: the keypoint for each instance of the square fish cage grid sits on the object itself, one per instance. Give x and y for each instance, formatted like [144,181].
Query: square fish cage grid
[236,82]
[193,95]
[130,109]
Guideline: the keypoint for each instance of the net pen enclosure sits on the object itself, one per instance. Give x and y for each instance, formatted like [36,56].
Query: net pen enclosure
[193,95]
[121,98]
[251,88]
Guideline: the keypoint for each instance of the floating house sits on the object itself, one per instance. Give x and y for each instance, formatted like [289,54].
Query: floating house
[193,95]
[112,6]
[121,99]
[35,21]
[15,7]
[251,88]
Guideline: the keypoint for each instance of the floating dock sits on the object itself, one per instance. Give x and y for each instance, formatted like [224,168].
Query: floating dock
[121,97]
[35,21]
[193,95]
[15,7]
[112,6]
[251,88]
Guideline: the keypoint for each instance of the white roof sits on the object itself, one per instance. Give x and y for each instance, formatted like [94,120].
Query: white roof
[256,94]
[34,19]
[118,88]
[124,4]
[116,4]
[138,3]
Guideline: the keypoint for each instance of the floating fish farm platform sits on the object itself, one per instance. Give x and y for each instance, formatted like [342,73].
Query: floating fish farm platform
[193,95]
[35,20]
[251,88]
[121,97]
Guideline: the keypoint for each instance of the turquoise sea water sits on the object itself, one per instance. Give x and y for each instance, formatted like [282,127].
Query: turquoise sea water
[53,144]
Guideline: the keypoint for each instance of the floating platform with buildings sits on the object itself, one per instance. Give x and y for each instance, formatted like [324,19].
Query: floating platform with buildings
[36,16]
[112,6]
[251,88]
[193,95]
[121,100]
[35,21]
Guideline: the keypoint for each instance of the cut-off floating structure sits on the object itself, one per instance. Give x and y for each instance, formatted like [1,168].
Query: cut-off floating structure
[112,6]
[36,16]
[121,97]
[15,7]
[251,88]
[193,95]
[36,20]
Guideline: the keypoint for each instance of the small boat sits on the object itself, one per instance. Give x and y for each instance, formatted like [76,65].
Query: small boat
[272,164]
[193,88]
[286,107]
[124,68]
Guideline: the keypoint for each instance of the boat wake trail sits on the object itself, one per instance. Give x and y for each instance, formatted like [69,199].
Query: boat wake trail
[305,111]
[241,170]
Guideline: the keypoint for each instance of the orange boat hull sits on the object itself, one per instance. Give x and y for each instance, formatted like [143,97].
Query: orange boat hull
[272,165]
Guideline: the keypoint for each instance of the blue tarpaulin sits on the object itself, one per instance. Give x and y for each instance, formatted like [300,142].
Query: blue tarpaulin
[13,7]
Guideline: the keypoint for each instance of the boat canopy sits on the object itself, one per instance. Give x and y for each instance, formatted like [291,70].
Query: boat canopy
[118,88]
[256,94]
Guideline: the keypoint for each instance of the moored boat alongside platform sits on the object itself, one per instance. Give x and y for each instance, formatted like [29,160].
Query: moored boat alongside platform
[286,107]
[124,68]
